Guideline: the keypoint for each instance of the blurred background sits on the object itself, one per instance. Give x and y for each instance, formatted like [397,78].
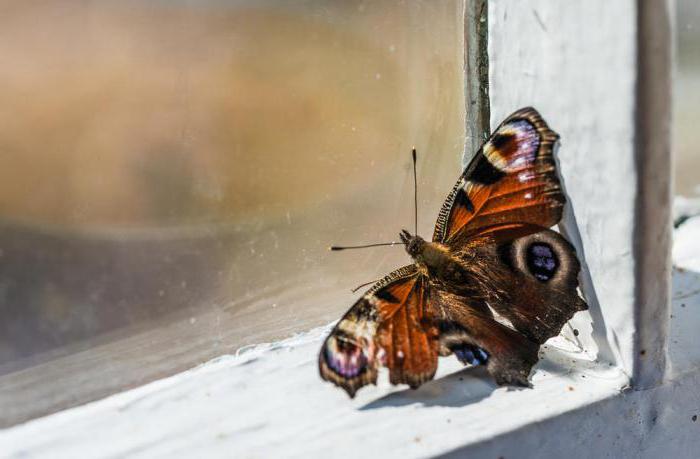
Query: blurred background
[173,172]
[687,98]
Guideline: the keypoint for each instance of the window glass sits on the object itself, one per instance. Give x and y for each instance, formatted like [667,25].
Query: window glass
[687,99]
[173,172]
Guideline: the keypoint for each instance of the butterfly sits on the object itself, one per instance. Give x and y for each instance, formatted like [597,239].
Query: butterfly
[493,285]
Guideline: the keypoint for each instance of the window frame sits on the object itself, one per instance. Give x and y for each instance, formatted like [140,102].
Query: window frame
[630,309]
[543,44]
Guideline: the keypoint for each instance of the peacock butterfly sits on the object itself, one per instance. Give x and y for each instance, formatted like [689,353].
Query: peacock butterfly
[492,257]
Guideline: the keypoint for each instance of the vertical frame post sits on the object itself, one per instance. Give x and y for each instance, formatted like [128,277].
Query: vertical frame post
[652,232]
[600,73]
[476,62]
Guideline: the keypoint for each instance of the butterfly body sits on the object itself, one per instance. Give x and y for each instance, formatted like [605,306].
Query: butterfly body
[492,286]
[438,264]
[430,257]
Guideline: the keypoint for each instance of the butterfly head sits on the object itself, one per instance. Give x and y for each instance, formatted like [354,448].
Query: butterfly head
[414,243]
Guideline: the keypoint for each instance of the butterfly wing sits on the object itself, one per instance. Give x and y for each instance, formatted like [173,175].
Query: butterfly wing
[392,325]
[512,179]
[527,274]
[470,332]
[495,221]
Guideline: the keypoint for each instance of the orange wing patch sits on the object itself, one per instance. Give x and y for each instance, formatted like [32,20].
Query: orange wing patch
[408,335]
[392,325]
[512,179]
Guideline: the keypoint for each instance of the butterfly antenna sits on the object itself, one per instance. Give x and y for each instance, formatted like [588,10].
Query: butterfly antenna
[363,285]
[415,219]
[345,247]
[415,191]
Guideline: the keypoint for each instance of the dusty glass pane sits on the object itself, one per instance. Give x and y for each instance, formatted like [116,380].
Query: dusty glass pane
[172,174]
[687,99]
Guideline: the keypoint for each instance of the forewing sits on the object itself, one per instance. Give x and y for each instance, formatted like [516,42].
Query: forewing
[511,179]
[390,325]
[408,335]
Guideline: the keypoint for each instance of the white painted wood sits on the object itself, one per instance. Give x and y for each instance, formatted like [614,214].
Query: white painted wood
[577,63]
[270,402]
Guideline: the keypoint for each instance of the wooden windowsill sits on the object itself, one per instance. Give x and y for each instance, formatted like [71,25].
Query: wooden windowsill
[267,401]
